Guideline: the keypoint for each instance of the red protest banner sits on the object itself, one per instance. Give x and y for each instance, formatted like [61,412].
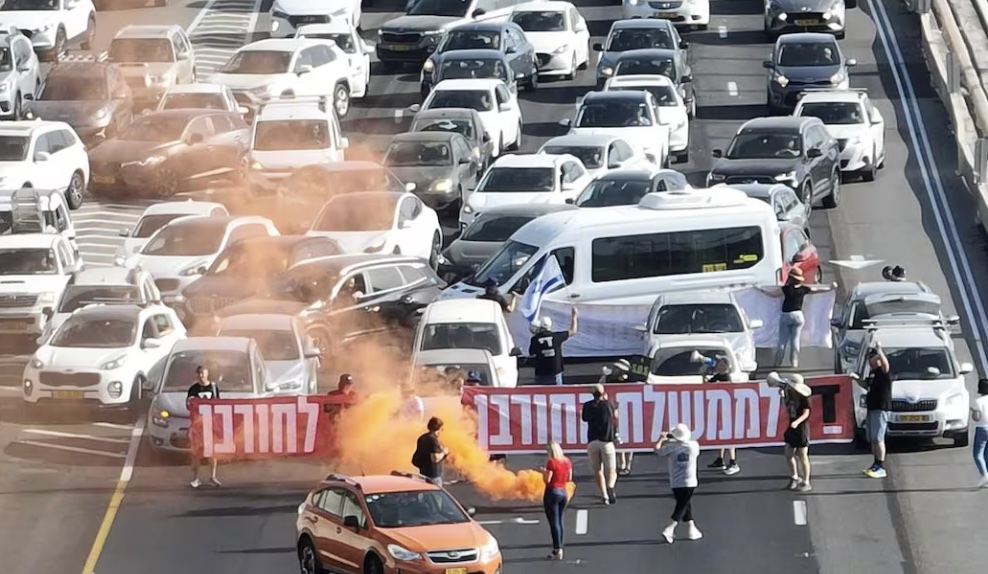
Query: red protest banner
[523,420]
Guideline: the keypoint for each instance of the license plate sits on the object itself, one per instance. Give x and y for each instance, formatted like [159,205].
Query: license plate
[806,22]
[456,571]
[666,14]
[67,394]
[106,180]
[914,418]
[400,48]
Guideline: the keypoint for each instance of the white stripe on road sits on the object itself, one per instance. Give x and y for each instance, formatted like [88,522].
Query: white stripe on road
[582,520]
[732,88]
[799,512]
[722,31]
[114,426]
[78,436]
[73,449]
[515,520]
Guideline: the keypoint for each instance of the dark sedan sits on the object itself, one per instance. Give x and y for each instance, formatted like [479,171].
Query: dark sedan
[505,37]
[803,62]
[662,62]
[485,235]
[163,153]
[783,16]
[635,34]
[629,186]
[465,64]
[441,165]
[463,121]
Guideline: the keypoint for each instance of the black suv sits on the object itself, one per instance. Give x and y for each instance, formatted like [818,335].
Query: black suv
[795,151]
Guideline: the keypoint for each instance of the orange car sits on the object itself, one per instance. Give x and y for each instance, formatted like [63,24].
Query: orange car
[395,524]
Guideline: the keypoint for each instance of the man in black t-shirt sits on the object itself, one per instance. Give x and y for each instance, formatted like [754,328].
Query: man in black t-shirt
[601,419]
[546,348]
[204,389]
[491,294]
[430,453]
[879,403]
[796,394]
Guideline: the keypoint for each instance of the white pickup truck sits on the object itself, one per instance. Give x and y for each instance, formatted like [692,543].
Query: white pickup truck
[34,270]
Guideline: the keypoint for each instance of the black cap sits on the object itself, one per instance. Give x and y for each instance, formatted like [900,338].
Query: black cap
[346,379]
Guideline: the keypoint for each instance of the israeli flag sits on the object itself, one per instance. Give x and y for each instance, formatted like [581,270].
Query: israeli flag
[549,279]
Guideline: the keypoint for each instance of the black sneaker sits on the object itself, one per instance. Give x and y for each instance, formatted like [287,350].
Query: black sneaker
[611,497]
[719,464]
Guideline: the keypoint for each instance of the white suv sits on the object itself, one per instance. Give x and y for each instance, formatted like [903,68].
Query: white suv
[52,25]
[929,395]
[287,16]
[36,211]
[34,270]
[43,155]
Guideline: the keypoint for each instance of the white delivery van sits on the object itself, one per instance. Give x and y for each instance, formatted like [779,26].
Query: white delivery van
[670,241]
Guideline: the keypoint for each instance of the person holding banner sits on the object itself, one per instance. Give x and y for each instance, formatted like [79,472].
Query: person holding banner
[682,451]
[546,346]
[792,320]
[556,474]
[205,389]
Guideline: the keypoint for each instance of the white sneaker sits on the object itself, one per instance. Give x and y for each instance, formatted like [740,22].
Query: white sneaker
[732,470]
[983,483]
[694,533]
[195,483]
[214,482]
[670,533]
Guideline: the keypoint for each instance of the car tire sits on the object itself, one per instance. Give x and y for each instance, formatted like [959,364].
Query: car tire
[308,558]
[437,245]
[840,35]
[872,170]
[75,191]
[373,565]
[136,394]
[167,184]
[533,81]
[341,100]
[59,48]
[515,145]
[832,200]
[807,196]
[89,39]
[818,275]
[586,63]
[962,438]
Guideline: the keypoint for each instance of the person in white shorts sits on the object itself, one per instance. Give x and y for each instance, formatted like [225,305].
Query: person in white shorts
[601,419]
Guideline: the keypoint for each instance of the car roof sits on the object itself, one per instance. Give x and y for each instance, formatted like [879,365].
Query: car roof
[687,341]
[787,123]
[28,240]
[259,321]
[698,296]
[630,95]
[523,209]
[277,241]
[181,207]
[349,165]
[212,344]
[447,356]
[424,137]
[588,140]
[104,276]
[832,96]
[78,68]
[548,6]
[279,45]
[528,160]
[862,290]
[807,38]
[291,109]
[759,190]
[469,84]
[462,311]
[342,263]
[100,312]
[202,220]
[368,196]
[633,80]
[647,53]
[475,54]
[383,483]
[900,337]
[642,23]
[186,114]
[24,127]
[484,25]
[453,113]
[146,31]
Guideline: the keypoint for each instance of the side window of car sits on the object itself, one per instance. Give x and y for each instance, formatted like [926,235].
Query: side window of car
[321,55]
[218,212]
[148,331]
[566,256]
[323,249]
[406,211]
[65,254]
[384,279]
[571,172]
[411,274]
[176,45]
[788,199]
[248,230]
[42,144]
[462,148]
[61,219]
[661,185]
[351,507]
[162,324]
[304,59]
[68,137]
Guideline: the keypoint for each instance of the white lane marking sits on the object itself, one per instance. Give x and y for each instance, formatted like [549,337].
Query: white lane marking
[114,426]
[515,520]
[11,390]
[722,31]
[399,113]
[60,434]
[73,449]
[959,265]
[799,512]
[856,262]
[732,88]
[582,520]
[135,445]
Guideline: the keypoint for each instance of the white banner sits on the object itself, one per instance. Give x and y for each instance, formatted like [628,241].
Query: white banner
[607,330]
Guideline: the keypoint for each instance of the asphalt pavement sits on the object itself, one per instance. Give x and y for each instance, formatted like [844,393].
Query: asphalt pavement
[925,518]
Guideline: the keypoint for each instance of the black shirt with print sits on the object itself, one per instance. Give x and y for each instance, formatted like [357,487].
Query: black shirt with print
[201,391]
[547,349]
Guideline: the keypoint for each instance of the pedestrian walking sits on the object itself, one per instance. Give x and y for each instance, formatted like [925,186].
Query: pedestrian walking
[601,419]
[204,388]
[682,451]
[430,454]
[546,346]
[879,403]
[616,374]
[491,294]
[796,396]
[792,320]
[979,413]
[557,474]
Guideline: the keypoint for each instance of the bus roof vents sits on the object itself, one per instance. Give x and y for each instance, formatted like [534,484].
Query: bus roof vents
[694,199]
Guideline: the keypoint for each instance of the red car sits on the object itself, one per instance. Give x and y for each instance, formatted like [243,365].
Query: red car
[799,251]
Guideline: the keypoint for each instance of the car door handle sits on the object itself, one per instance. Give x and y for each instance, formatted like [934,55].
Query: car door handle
[574,295]
[339,530]
[312,519]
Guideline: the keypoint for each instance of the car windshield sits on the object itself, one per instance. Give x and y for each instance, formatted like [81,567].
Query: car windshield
[919,363]
[260,62]
[229,369]
[414,508]
[613,114]
[194,102]
[425,154]
[6,64]
[150,223]
[462,127]
[29,5]
[461,336]
[471,40]
[28,262]
[276,345]
[342,39]
[639,39]
[834,113]
[494,228]
[898,305]
[678,362]
[608,193]
[765,145]
[518,180]
[432,373]
[62,88]
[81,331]
[78,296]
[145,50]
[291,135]
[186,240]
[548,21]
[698,318]
[504,264]
[591,156]
[480,100]
[653,66]
[448,8]
[153,128]
[665,96]
[473,68]
[14,148]
[347,213]
[811,54]
[264,261]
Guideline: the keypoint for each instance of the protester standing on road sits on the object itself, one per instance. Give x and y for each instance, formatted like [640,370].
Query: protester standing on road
[430,453]
[490,294]
[682,451]
[546,347]
[796,394]
[600,416]
[979,413]
[557,474]
[344,388]
[878,403]
[205,389]
[792,319]
[617,374]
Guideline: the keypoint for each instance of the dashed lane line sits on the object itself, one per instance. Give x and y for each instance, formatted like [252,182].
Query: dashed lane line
[79,436]
[732,88]
[68,448]
[582,521]
[799,512]
[722,31]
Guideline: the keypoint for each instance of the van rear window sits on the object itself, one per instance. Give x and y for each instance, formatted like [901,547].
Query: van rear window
[676,253]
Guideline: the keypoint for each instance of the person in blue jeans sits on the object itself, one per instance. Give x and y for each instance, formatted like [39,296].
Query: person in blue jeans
[979,413]
[557,474]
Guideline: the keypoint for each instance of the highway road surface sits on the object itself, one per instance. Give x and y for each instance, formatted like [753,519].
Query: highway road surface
[77,495]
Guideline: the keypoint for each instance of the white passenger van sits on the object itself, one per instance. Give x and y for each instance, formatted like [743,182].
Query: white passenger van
[670,241]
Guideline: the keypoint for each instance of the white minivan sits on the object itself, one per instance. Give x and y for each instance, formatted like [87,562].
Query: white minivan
[670,241]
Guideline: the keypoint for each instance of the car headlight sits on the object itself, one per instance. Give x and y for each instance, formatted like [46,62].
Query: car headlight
[838,77]
[715,177]
[433,37]
[160,418]
[153,160]
[192,270]
[490,550]
[443,185]
[101,114]
[781,80]
[428,66]
[256,165]
[37,364]
[561,50]
[114,364]
[119,260]
[47,297]
[606,71]
[159,79]
[28,387]
[782,16]
[827,15]
[467,208]
[442,259]
[115,389]
[4,88]
[632,2]
[789,176]
[375,248]
[402,553]
[953,401]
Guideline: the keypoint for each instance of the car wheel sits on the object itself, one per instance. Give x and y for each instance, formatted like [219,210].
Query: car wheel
[818,276]
[59,48]
[437,245]
[373,565]
[341,100]
[167,184]
[833,198]
[517,143]
[89,39]
[962,438]
[872,170]
[533,81]
[308,559]
[586,63]
[136,394]
[807,197]
[73,194]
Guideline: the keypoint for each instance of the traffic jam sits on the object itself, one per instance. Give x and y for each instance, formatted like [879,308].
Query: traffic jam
[327,282]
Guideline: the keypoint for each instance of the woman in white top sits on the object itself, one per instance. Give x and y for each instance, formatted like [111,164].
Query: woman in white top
[682,451]
[979,412]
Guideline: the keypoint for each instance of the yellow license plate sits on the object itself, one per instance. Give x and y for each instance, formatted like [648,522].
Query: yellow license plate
[67,394]
[914,419]
[666,14]
[103,179]
[456,571]
[806,22]
[400,48]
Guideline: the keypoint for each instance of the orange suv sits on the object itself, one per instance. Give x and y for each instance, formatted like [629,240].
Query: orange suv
[395,524]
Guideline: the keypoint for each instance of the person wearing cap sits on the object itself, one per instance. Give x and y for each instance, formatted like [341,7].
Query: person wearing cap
[344,388]
[546,346]
[682,451]
[491,294]
[792,320]
[878,401]
[618,373]
[796,396]
[601,419]
[979,414]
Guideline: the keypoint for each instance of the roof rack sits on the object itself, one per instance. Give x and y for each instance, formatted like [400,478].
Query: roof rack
[906,322]
[323,101]
[342,478]
[82,56]
[27,213]
[411,475]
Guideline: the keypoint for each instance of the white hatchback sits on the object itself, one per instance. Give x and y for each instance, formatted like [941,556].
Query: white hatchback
[559,34]
[855,123]
[692,13]
[345,36]
[158,216]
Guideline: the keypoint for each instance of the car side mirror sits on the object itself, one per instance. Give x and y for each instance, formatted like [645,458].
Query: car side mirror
[312,353]
[344,143]
[510,50]
[351,521]
[686,79]
[598,47]
[183,56]
[486,138]
[683,44]
[504,107]
[966,368]
[471,511]
[755,324]
[242,110]
[516,352]
[48,312]
[151,344]
[304,69]
[478,13]
[767,64]
[28,96]
[464,161]
[952,319]
[125,232]
[570,201]
[717,153]
[837,323]
[42,156]
[876,119]
[566,122]
[640,327]
[851,63]
[368,49]
[814,153]
[414,108]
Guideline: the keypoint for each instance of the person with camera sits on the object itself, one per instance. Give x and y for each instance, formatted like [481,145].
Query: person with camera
[879,404]
[601,419]
[796,397]
[682,451]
